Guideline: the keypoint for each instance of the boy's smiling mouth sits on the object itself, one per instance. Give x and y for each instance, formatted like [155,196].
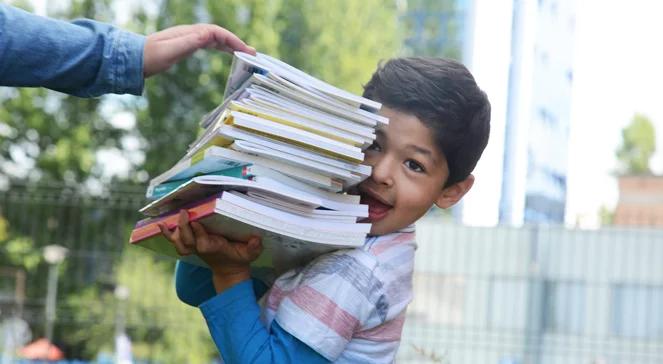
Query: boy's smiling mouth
[378,208]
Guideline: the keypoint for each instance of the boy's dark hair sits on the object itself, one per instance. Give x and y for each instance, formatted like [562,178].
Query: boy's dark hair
[443,94]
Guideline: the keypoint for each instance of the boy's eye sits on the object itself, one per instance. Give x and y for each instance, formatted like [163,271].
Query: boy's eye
[375,146]
[414,166]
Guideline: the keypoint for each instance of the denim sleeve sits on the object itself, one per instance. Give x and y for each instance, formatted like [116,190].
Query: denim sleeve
[193,284]
[84,58]
[233,318]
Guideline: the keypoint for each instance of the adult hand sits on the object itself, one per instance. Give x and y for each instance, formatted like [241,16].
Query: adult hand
[169,46]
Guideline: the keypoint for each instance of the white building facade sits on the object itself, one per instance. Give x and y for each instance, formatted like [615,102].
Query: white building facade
[522,56]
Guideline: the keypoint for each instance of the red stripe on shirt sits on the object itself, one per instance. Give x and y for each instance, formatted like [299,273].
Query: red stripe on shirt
[324,309]
[274,297]
[383,246]
[388,331]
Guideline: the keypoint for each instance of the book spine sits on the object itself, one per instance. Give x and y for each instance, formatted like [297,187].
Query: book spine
[144,231]
[167,187]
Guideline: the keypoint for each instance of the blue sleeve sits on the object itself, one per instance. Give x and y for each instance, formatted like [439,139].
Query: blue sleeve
[233,318]
[193,284]
[83,58]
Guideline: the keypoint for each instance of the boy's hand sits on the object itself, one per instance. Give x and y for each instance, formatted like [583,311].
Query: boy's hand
[229,260]
[169,46]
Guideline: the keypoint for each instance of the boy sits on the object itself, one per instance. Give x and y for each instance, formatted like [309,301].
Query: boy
[349,306]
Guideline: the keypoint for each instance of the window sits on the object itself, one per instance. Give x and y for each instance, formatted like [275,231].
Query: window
[564,310]
[637,311]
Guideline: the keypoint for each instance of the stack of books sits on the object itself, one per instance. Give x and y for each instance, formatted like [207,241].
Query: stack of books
[272,161]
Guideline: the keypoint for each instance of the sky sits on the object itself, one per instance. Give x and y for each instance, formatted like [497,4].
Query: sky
[618,71]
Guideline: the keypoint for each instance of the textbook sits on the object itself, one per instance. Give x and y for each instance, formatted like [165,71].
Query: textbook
[295,154]
[288,240]
[216,158]
[154,192]
[273,159]
[203,186]
[223,134]
[245,64]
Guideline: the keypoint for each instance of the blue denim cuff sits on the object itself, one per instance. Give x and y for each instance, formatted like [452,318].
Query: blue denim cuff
[127,62]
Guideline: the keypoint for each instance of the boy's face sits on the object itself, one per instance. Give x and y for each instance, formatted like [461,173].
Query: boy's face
[408,174]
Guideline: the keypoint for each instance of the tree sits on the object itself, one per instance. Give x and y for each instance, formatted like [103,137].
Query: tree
[178,99]
[335,44]
[161,328]
[318,37]
[433,27]
[49,137]
[638,146]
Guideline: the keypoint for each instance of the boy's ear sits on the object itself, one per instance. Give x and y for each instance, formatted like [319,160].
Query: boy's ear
[452,194]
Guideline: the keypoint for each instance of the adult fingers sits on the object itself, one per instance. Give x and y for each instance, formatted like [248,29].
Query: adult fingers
[227,41]
[185,39]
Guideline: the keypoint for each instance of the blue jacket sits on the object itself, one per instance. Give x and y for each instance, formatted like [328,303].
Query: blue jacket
[83,58]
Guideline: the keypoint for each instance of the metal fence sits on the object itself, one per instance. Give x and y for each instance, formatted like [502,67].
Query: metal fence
[482,295]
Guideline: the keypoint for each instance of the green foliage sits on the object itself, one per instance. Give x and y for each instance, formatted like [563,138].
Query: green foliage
[433,28]
[638,146]
[161,328]
[48,136]
[53,137]
[327,40]
[175,332]
[319,37]
[606,216]
[176,100]
[17,250]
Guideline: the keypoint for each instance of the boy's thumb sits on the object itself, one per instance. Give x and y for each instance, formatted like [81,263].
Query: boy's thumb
[254,244]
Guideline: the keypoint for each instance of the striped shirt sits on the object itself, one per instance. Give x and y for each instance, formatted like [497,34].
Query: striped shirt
[348,305]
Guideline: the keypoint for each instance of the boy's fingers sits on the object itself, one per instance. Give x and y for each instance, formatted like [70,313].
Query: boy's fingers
[174,239]
[186,235]
[254,247]
[254,243]
[180,248]
[201,237]
[164,230]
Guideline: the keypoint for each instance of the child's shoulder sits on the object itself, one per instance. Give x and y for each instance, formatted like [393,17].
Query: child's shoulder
[397,242]
[376,258]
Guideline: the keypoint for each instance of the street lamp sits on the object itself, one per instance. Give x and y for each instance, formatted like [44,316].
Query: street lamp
[54,255]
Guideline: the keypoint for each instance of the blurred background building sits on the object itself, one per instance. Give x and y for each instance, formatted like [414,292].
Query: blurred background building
[640,201]
[536,140]
[532,49]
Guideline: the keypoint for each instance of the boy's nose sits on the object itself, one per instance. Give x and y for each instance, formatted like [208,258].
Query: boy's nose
[383,171]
